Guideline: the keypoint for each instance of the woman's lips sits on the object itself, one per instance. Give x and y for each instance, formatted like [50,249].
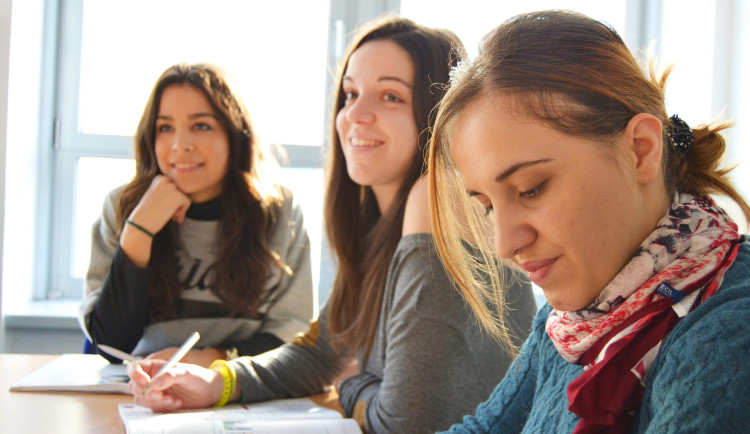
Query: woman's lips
[366,143]
[184,167]
[538,270]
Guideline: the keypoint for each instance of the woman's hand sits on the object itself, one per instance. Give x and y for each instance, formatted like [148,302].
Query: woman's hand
[182,386]
[202,357]
[162,202]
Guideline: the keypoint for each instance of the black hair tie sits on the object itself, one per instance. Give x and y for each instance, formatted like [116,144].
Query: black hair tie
[680,136]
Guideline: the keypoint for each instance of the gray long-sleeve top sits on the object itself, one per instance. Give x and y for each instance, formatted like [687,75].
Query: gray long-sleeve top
[115,309]
[430,363]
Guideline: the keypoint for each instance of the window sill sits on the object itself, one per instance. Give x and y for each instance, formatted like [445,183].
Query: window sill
[43,314]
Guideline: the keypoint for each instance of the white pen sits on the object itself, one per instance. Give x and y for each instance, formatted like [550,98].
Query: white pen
[184,348]
[122,355]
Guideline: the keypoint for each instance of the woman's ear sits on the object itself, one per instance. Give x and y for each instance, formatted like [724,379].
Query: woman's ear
[643,136]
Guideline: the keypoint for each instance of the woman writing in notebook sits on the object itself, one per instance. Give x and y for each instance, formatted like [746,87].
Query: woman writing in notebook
[199,239]
[603,200]
[422,359]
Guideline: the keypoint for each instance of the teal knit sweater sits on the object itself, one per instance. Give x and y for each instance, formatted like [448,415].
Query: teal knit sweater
[699,382]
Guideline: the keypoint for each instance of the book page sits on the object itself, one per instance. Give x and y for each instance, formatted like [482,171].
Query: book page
[287,415]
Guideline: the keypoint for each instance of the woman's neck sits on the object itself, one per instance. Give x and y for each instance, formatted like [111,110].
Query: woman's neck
[385,196]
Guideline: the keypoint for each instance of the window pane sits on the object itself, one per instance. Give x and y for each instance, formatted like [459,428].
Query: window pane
[96,178]
[475,18]
[307,186]
[688,28]
[276,51]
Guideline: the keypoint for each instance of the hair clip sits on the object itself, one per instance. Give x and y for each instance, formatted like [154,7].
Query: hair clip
[680,136]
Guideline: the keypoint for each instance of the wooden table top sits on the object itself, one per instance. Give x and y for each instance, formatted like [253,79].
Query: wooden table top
[45,412]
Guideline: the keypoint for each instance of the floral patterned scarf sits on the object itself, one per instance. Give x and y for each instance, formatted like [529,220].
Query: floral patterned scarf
[616,338]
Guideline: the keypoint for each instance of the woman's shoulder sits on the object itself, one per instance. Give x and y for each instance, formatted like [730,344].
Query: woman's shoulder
[112,201]
[704,360]
[282,200]
[717,326]
[416,212]
[116,193]
[416,274]
[739,271]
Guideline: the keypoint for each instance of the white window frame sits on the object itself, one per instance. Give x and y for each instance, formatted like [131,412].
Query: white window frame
[53,211]
[69,144]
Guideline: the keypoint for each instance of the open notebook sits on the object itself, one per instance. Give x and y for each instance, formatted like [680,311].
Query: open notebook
[298,415]
[88,373]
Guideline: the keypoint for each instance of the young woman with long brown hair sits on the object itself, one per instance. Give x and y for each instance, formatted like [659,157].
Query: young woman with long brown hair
[199,239]
[422,359]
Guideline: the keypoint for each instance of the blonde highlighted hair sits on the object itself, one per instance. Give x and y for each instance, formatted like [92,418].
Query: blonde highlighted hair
[541,59]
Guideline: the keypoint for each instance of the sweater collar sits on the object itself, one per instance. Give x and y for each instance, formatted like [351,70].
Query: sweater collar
[204,211]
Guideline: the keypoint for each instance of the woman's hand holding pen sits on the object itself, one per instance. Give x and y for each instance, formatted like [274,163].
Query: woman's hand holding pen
[202,357]
[182,386]
[162,202]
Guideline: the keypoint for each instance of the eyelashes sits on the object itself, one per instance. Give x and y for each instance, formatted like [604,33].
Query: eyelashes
[534,192]
[530,194]
[387,97]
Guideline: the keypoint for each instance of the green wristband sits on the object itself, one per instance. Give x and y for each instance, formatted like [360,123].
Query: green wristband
[139,227]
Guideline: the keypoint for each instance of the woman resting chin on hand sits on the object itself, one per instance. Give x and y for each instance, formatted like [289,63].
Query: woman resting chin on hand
[200,239]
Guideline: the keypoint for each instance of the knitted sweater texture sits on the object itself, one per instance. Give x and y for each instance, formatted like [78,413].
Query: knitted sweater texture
[699,382]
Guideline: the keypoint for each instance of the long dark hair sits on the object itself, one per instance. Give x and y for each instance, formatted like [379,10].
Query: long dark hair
[247,205]
[362,239]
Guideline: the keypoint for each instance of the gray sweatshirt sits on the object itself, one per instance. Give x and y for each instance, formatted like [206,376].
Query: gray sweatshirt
[115,310]
[430,364]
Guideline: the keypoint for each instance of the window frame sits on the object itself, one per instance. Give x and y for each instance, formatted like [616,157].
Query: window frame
[54,213]
[58,195]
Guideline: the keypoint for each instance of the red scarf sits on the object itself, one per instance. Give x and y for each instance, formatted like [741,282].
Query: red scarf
[616,338]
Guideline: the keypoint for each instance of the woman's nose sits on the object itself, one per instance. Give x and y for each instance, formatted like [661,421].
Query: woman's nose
[361,111]
[183,141]
[511,233]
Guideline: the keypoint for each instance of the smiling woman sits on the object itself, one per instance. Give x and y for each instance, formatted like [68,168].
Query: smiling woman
[192,147]
[199,240]
[398,342]
[376,124]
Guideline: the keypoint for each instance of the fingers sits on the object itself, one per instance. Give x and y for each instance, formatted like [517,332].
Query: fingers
[144,373]
[179,215]
[163,201]
[137,373]
[158,401]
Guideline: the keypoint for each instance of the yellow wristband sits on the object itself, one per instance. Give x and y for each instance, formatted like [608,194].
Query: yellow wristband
[230,380]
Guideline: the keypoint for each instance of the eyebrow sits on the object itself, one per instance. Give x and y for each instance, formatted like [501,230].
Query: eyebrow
[192,116]
[385,78]
[513,169]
